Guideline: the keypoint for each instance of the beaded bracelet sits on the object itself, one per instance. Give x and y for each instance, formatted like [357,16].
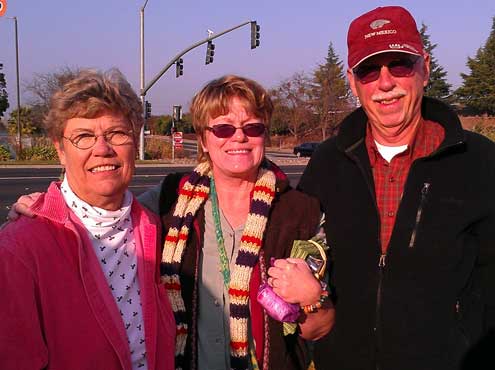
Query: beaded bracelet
[310,308]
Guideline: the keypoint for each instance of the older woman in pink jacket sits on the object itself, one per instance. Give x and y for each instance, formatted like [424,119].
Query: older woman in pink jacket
[80,282]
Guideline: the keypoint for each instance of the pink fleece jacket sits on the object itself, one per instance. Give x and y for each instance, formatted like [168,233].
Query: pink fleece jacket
[57,311]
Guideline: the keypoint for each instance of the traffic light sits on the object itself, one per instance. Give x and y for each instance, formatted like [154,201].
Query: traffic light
[177,113]
[255,35]
[210,52]
[147,109]
[179,68]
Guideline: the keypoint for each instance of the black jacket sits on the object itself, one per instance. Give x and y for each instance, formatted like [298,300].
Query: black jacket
[435,297]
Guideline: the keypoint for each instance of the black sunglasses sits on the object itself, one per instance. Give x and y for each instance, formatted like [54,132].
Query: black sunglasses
[402,67]
[226,130]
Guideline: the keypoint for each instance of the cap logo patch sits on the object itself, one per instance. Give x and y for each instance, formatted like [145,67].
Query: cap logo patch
[379,23]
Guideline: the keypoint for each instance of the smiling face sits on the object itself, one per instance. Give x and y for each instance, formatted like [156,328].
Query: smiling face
[98,175]
[238,156]
[392,104]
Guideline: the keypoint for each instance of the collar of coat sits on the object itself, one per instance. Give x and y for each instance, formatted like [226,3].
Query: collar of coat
[51,205]
[352,130]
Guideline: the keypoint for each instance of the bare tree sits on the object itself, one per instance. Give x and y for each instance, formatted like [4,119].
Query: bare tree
[43,85]
[292,103]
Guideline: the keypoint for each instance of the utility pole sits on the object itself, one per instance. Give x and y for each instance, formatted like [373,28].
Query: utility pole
[141,134]
[19,127]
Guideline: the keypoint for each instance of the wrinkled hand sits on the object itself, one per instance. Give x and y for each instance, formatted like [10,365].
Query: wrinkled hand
[293,281]
[21,207]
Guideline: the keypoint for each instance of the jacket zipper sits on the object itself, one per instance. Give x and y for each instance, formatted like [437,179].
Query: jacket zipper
[458,314]
[378,330]
[419,213]
[381,270]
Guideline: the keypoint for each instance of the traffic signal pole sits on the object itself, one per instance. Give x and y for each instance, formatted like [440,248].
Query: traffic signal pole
[173,61]
[141,133]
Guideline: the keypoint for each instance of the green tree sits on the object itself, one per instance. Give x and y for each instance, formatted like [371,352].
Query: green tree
[437,87]
[4,101]
[478,89]
[330,93]
[157,124]
[163,125]
[185,125]
[29,119]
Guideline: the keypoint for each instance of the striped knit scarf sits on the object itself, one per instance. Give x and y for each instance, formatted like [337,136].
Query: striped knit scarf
[192,195]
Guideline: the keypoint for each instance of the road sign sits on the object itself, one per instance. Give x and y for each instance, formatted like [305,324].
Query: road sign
[178,137]
[3,7]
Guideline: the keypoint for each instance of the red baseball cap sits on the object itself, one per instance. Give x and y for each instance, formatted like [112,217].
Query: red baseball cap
[384,29]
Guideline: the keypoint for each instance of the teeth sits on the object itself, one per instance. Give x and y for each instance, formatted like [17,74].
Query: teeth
[238,151]
[390,101]
[103,168]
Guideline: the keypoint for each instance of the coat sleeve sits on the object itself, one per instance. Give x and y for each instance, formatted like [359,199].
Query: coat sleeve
[151,198]
[161,197]
[486,238]
[309,179]
[22,344]
[485,233]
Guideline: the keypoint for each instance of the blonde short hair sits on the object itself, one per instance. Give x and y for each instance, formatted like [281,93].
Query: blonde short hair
[89,94]
[215,98]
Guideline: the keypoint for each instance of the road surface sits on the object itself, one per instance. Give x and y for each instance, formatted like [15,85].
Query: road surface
[25,180]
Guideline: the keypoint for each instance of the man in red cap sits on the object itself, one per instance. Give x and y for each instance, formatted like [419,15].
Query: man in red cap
[408,198]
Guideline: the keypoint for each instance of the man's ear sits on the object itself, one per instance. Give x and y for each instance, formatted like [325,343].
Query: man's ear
[426,69]
[60,151]
[352,82]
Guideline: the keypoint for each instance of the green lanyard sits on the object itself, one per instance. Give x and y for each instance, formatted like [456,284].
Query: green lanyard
[224,261]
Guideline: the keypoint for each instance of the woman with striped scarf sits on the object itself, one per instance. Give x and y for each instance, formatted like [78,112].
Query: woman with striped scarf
[234,214]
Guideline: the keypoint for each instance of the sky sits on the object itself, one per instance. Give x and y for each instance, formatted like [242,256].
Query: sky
[295,36]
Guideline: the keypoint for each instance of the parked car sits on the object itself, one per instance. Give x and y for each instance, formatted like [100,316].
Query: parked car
[305,149]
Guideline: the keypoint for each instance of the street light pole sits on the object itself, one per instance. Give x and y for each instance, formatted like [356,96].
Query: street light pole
[141,134]
[19,128]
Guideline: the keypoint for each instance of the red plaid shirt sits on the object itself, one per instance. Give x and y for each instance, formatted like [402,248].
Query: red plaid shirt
[390,178]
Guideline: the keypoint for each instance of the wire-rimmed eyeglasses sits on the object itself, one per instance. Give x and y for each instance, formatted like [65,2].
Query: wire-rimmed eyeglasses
[86,140]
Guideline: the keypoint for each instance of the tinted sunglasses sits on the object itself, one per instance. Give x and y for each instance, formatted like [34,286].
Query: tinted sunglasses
[402,67]
[226,130]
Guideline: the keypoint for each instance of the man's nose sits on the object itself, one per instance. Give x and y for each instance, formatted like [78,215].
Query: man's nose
[386,81]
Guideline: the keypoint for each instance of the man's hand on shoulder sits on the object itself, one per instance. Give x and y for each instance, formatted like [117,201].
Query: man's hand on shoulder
[22,206]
